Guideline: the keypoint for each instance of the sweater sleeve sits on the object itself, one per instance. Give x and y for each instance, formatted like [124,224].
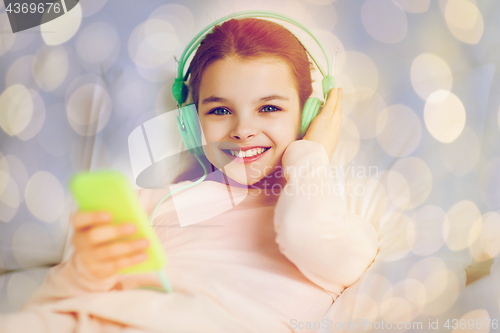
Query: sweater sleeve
[68,279]
[329,245]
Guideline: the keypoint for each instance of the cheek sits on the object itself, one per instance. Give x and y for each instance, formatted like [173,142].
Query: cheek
[210,132]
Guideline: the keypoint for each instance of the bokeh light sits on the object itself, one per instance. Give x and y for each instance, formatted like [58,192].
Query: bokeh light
[360,69]
[23,41]
[152,46]
[381,287]
[6,39]
[398,130]
[4,178]
[19,288]
[415,292]
[428,230]
[412,6]
[430,73]
[363,106]
[16,109]
[90,7]
[464,20]
[490,234]
[50,67]
[393,244]
[9,198]
[384,20]
[465,222]
[179,16]
[98,44]
[418,177]
[365,307]
[348,143]
[81,152]
[2,276]
[498,117]
[17,171]
[372,188]
[37,118]
[63,28]
[56,133]
[20,72]
[444,116]
[88,109]
[461,156]
[448,295]
[13,176]
[320,2]
[47,208]
[475,321]
[397,189]
[433,275]
[324,17]
[41,247]
[396,309]
[489,183]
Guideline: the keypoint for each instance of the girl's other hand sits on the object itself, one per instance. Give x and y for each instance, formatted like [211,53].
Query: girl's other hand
[98,243]
[325,128]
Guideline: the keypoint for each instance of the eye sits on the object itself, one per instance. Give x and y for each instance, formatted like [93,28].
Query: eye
[270,108]
[214,111]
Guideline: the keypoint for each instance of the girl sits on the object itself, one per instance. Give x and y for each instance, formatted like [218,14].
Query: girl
[273,263]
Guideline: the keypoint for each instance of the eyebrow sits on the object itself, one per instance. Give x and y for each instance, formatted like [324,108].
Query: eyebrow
[214,99]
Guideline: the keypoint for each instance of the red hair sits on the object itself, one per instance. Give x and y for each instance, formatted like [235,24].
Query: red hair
[251,38]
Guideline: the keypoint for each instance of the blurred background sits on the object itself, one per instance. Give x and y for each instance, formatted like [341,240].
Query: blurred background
[421,104]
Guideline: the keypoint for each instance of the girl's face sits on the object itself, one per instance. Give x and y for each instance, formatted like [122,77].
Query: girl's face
[248,103]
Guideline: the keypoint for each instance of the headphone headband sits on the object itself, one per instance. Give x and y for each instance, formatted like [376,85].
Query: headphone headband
[179,89]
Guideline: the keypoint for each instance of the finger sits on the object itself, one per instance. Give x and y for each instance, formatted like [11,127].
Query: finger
[84,220]
[339,105]
[331,99]
[119,249]
[102,234]
[329,106]
[113,266]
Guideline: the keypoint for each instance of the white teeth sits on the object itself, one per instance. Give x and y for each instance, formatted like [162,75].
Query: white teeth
[248,153]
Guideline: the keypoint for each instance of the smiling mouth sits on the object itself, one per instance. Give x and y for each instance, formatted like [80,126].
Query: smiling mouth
[249,153]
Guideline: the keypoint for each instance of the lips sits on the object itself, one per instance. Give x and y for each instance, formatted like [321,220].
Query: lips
[233,146]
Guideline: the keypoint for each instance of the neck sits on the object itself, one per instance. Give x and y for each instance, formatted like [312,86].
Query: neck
[272,184]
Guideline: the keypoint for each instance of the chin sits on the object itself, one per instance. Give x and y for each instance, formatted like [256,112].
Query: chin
[243,180]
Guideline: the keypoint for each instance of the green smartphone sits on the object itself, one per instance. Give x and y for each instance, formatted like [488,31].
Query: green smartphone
[110,191]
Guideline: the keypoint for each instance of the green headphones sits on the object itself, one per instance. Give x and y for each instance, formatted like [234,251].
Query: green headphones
[187,119]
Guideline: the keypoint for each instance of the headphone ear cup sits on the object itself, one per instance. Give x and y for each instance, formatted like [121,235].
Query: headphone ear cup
[310,111]
[180,91]
[192,134]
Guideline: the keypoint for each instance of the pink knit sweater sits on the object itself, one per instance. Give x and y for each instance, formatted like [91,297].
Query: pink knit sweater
[259,266]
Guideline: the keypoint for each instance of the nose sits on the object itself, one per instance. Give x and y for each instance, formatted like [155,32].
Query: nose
[244,129]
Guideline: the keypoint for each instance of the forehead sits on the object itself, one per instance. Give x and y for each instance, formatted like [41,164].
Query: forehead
[237,76]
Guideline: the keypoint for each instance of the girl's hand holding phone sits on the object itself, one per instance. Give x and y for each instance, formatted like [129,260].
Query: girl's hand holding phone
[97,243]
[325,127]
